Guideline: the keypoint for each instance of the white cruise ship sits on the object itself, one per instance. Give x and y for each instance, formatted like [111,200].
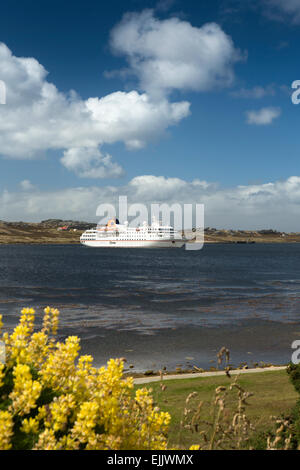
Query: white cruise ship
[115,235]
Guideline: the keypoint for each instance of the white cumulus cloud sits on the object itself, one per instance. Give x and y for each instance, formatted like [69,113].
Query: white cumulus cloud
[263,117]
[172,54]
[91,163]
[164,54]
[26,185]
[37,117]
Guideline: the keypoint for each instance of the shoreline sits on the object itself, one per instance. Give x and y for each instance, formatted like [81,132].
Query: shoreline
[66,241]
[53,232]
[194,375]
[185,349]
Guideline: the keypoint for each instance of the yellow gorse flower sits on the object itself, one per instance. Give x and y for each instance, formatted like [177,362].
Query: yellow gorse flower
[30,425]
[55,399]
[2,374]
[6,430]
[25,392]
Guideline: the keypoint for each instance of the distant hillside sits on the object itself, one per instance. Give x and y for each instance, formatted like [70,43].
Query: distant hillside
[48,231]
[57,231]
[213,235]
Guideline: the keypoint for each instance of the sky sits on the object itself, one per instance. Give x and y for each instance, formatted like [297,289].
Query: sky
[162,101]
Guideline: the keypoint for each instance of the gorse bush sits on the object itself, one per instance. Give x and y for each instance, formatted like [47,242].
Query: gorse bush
[294,373]
[53,399]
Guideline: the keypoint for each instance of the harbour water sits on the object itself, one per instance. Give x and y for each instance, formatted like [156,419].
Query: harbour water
[162,308]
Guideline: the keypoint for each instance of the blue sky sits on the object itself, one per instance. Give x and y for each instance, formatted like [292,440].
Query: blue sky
[220,113]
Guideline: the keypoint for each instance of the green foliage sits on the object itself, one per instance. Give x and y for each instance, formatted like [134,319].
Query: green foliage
[293,371]
[258,441]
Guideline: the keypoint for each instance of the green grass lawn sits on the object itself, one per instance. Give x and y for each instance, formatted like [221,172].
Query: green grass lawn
[273,395]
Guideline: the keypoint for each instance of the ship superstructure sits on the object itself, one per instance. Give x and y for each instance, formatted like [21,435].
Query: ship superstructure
[122,235]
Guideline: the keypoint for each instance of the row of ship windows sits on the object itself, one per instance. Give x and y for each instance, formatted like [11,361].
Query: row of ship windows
[124,237]
[136,232]
[121,238]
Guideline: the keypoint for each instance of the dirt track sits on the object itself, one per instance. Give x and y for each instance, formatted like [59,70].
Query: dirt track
[144,380]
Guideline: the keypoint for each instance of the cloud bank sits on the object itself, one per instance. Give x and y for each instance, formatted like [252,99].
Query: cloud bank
[271,205]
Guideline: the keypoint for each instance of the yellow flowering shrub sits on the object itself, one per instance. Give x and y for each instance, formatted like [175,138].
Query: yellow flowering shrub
[53,399]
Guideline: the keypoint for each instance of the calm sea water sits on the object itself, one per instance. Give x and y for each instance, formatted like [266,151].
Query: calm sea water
[149,304]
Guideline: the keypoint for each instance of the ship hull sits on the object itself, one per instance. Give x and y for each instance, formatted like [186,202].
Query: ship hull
[133,243]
